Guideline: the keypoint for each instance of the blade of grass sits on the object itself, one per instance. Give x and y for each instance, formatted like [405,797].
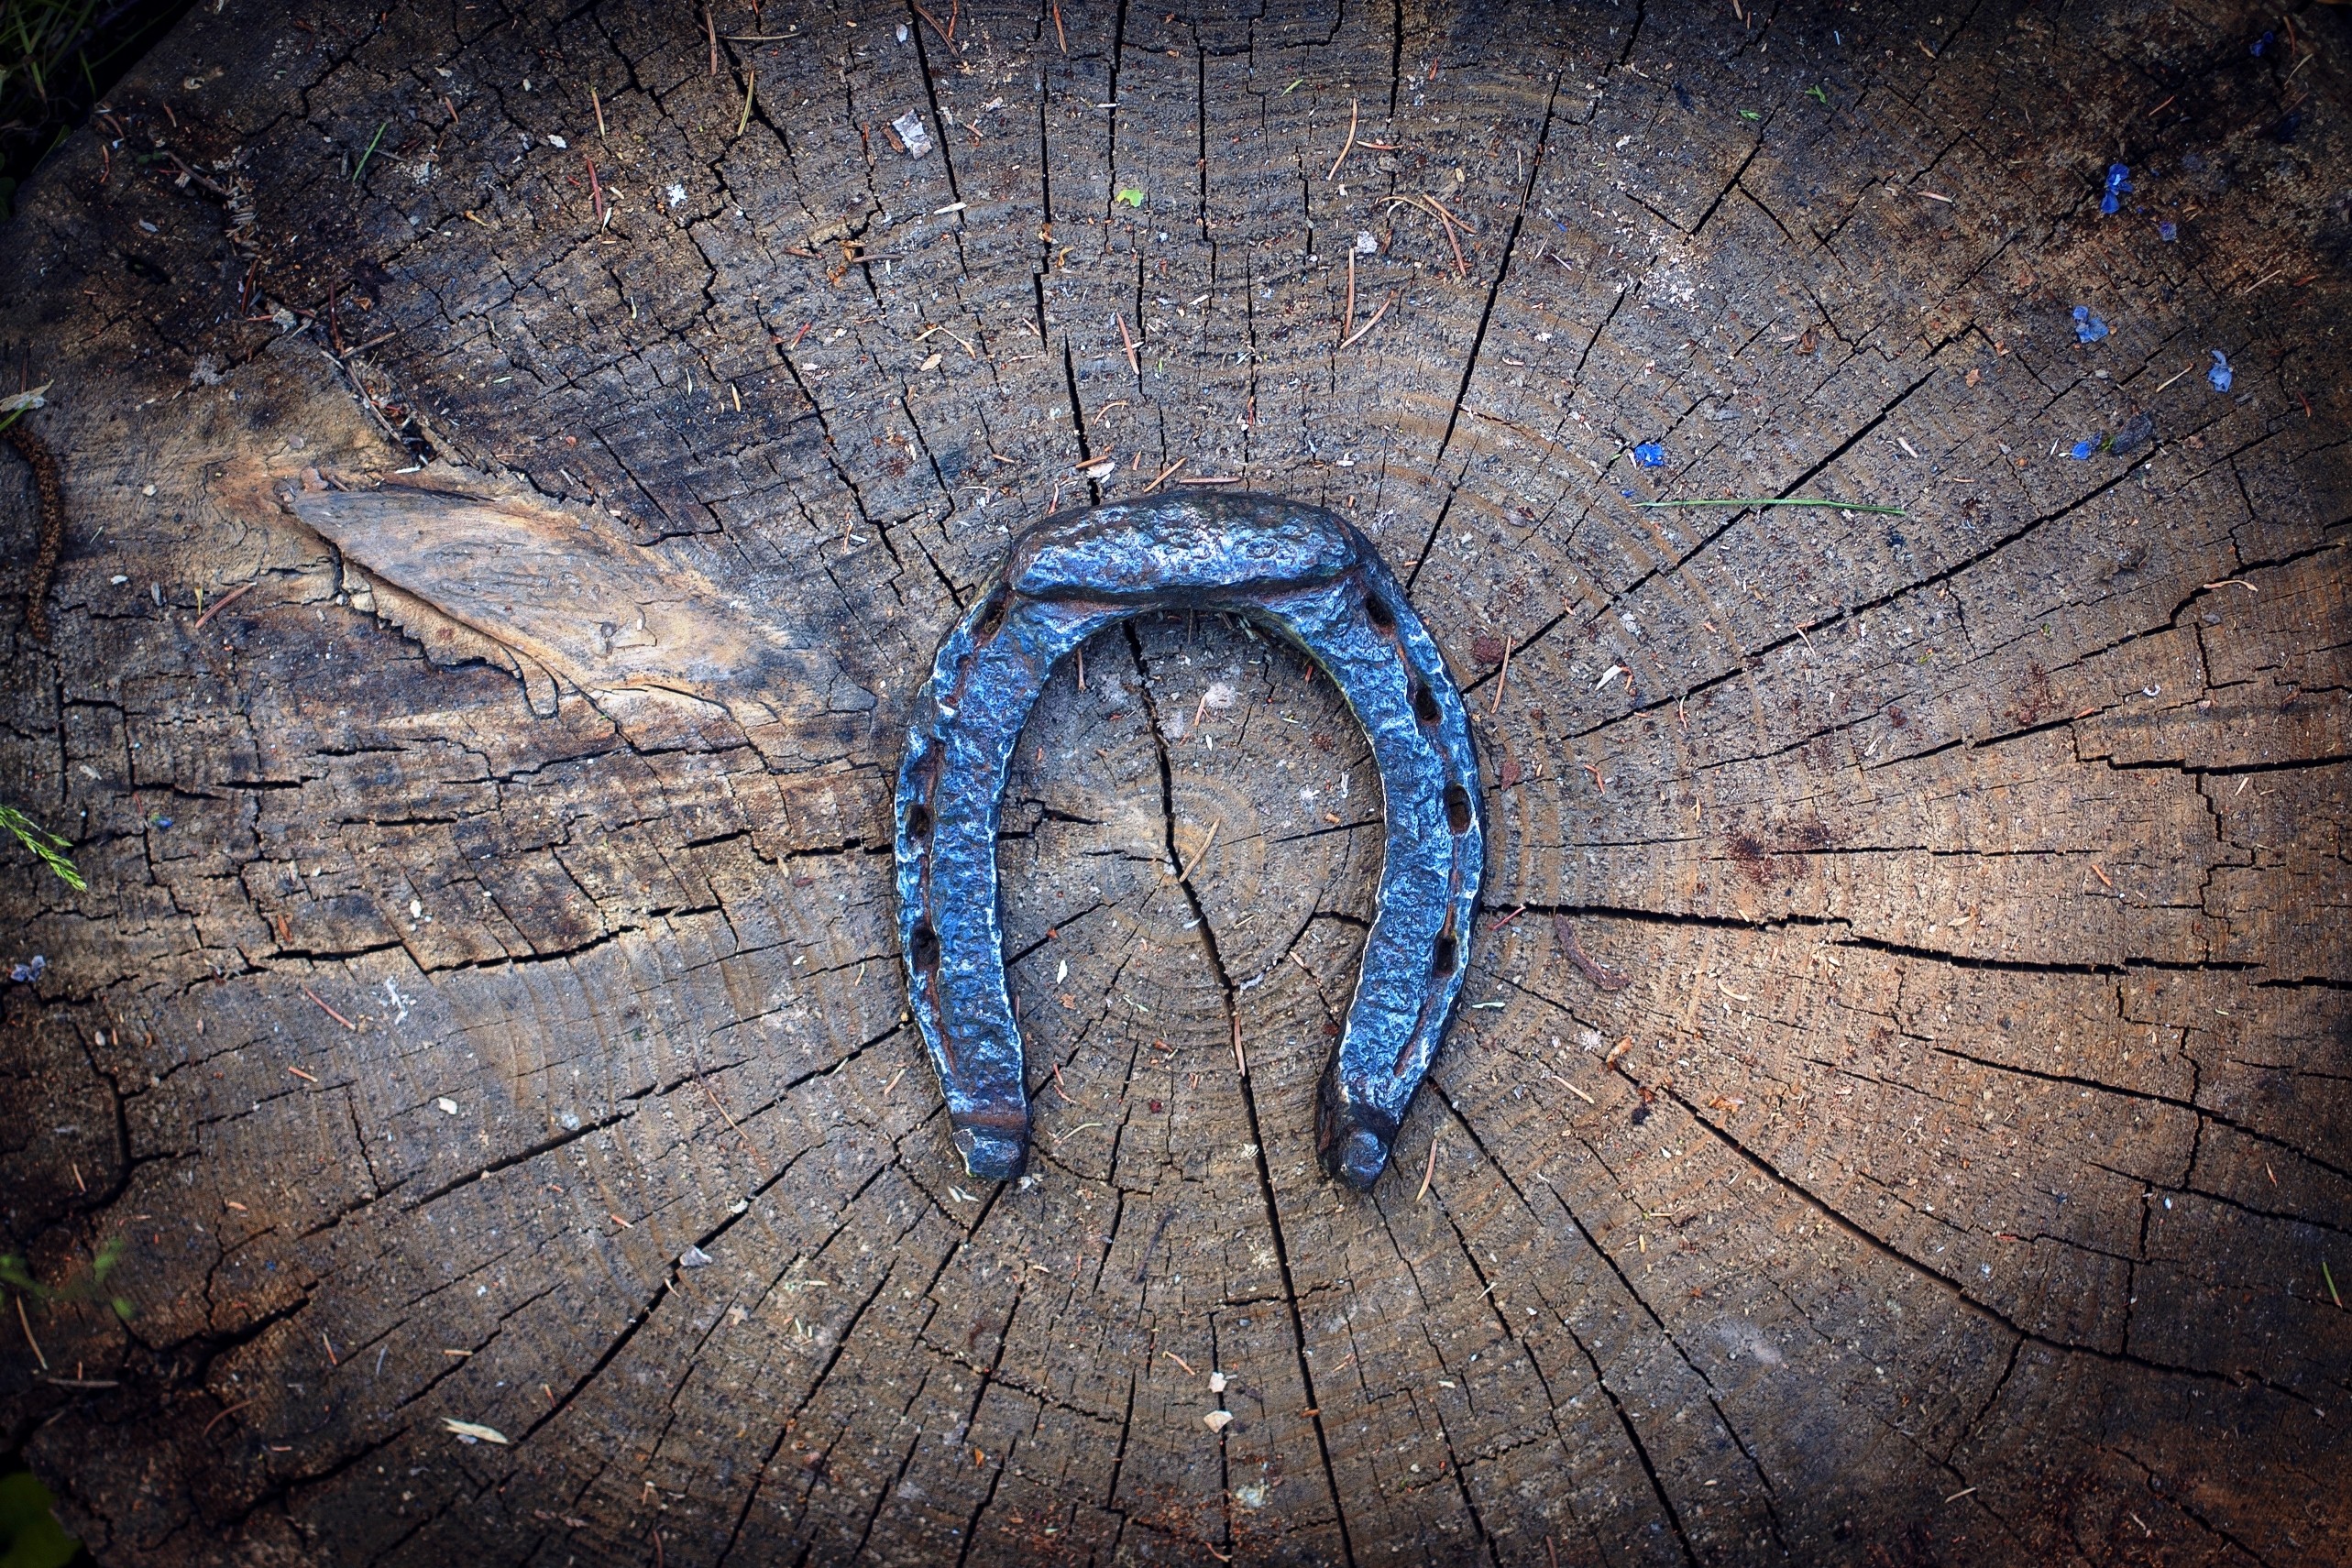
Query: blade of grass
[369,153]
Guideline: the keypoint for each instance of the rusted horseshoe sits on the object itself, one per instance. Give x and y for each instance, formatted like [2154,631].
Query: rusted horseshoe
[1306,574]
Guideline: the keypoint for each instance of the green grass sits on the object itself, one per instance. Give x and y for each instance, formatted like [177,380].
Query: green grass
[47,846]
[30,1536]
[58,58]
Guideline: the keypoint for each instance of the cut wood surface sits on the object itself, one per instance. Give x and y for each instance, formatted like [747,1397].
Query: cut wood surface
[519,460]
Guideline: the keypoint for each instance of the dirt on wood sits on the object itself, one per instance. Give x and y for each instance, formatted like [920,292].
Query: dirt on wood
[516,464]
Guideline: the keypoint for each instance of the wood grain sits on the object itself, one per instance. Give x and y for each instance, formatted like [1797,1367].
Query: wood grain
[489,915]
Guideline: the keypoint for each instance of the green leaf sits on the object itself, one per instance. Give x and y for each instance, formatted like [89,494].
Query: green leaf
[1750,114]
[1814,91]
[1132,196]
[30,1536]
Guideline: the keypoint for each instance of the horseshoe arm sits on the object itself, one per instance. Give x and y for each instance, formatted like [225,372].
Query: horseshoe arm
[1304,573]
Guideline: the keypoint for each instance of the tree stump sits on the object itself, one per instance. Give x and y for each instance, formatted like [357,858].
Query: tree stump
[518,463]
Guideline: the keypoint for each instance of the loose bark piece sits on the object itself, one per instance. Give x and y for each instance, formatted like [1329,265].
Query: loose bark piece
[598,614]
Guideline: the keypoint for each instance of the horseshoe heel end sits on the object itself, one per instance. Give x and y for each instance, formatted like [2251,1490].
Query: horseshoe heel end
[1352,1139]
[994,1153]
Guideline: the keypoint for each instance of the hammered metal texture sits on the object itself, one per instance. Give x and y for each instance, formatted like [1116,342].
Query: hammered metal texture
[1310,577]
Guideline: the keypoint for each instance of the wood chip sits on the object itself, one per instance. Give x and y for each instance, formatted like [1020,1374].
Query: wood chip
[475,1431]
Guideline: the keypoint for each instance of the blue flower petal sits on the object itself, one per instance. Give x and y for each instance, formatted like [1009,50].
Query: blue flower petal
[2088,328]
[2167,231]
[2220,374]
[1650,454]
[2082,449]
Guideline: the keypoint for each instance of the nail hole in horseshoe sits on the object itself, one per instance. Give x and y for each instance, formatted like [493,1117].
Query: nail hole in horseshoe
[992,616]
[919,820]
[1441,957]
[1379,614]
[927,947]
[1458,808]
[1424,703]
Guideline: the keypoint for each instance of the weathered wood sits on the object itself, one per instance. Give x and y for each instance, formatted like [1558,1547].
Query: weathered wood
[1960,1177]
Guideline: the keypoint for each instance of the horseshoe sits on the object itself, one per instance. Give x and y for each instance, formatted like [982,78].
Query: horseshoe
[1310,577]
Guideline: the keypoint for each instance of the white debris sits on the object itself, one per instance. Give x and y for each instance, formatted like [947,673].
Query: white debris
[474,1432]
[913,132]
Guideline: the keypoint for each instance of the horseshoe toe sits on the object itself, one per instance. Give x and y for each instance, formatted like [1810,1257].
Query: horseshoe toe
[1310,577]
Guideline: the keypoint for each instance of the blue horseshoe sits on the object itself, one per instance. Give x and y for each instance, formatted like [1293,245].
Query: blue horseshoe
[1311,576]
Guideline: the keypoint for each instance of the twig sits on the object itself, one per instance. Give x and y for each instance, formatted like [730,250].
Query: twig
[2170,379]
[1347,320]
[1057,35]
[329,1011]
[223,1414]
[720,1105]
[1185,872]
[944,37]
[1132,363]
[1461,266]
[751,86]
[1447,214]
[1350,340]
[1240,1062]
[1162,477]
[1602,977]
[1783,501]
[1431,1170]
[223,602]
[595,187]
[1500,676]
[711,28]
[27,1325]
[1350,143]
[597,104]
